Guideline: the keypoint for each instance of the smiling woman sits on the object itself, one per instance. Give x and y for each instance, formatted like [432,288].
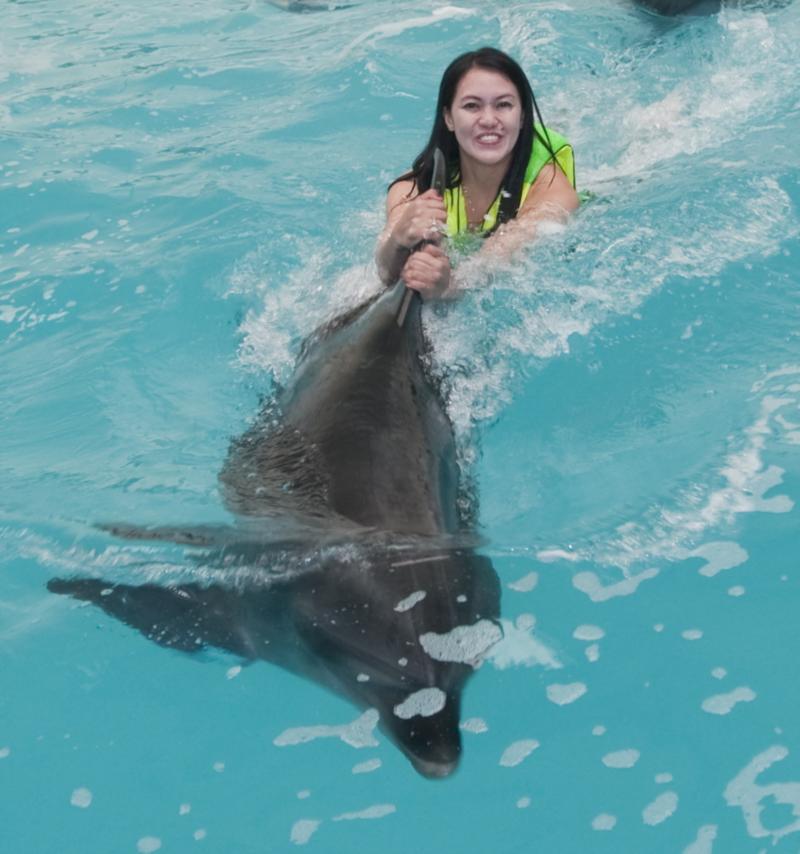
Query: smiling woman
[505,173]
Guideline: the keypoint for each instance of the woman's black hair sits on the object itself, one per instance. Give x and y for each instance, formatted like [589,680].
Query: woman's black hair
[442,137]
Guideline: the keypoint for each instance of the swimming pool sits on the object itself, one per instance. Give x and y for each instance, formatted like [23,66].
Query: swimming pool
[186,194]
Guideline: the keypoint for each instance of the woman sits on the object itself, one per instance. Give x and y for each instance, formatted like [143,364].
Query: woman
[506,173]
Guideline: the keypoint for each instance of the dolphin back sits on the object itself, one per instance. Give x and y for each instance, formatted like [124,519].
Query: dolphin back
[361,435]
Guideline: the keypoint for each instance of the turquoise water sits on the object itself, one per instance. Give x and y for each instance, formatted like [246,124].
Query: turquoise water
[185,194]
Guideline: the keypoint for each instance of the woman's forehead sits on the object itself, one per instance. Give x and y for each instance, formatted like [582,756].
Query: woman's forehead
[484,83]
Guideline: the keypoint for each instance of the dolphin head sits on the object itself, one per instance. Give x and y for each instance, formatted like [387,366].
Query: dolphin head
[403,636]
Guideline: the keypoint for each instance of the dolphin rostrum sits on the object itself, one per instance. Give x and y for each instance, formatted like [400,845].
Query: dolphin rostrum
[351,563]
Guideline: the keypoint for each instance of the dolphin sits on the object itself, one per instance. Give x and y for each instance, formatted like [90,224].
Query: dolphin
[681,7]
[704,7]
[352,563]
[309,5]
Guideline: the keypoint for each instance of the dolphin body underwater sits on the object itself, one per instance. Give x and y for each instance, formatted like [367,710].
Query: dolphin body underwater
[705,7]
[371,587]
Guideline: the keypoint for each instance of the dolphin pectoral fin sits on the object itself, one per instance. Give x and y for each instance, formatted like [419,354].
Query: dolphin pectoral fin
[186,618]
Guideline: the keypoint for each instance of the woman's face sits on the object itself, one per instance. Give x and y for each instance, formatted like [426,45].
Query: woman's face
[486,116]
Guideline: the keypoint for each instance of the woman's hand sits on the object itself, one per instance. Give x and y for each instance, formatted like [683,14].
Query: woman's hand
[422,218]
[428,271]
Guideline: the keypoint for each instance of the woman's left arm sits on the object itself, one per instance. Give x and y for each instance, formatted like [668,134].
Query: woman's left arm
[552,198]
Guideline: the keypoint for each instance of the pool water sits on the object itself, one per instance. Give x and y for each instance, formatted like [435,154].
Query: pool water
[185,194]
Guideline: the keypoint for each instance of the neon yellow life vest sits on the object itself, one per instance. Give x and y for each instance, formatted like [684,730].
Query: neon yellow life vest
[457,219]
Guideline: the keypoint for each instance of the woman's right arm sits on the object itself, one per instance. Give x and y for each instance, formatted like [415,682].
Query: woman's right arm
[410,219]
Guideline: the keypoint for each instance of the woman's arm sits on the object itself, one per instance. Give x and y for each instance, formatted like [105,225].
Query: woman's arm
[551,199]
[410,219]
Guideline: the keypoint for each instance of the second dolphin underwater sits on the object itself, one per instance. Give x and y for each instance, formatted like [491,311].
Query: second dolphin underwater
[375,591]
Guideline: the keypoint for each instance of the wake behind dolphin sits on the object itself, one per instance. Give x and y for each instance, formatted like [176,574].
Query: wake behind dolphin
[376,592]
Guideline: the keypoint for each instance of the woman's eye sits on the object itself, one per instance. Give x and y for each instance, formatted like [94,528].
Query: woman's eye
[471,106]
[505,105]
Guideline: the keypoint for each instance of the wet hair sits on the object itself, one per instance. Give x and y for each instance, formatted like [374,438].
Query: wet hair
[490,59]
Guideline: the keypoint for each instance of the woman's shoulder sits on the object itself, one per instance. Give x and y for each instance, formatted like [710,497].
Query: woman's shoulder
[401,191]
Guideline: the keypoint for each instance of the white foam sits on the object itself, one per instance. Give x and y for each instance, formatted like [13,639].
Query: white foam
[303,830]
[660,809]
[377,811]
[692,634]
[719,556]
[588,633]
[518,752]
[703,843]
[523,803]
[424,703]
[395,28]
[367,767]
[233,672]
[200,834]
[475,725]
[81,798]
[722,704]
[747,481]
[357,734]
[746,792]
[526,583]
[564,694]
[590,584]
[148,845]
[408,603]
[604,821]
[719,672]
[593,653]
[519,648]
[661,779]
[621,758]
[463,644]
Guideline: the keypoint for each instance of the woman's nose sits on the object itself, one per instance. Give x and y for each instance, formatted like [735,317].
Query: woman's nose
[488,116]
